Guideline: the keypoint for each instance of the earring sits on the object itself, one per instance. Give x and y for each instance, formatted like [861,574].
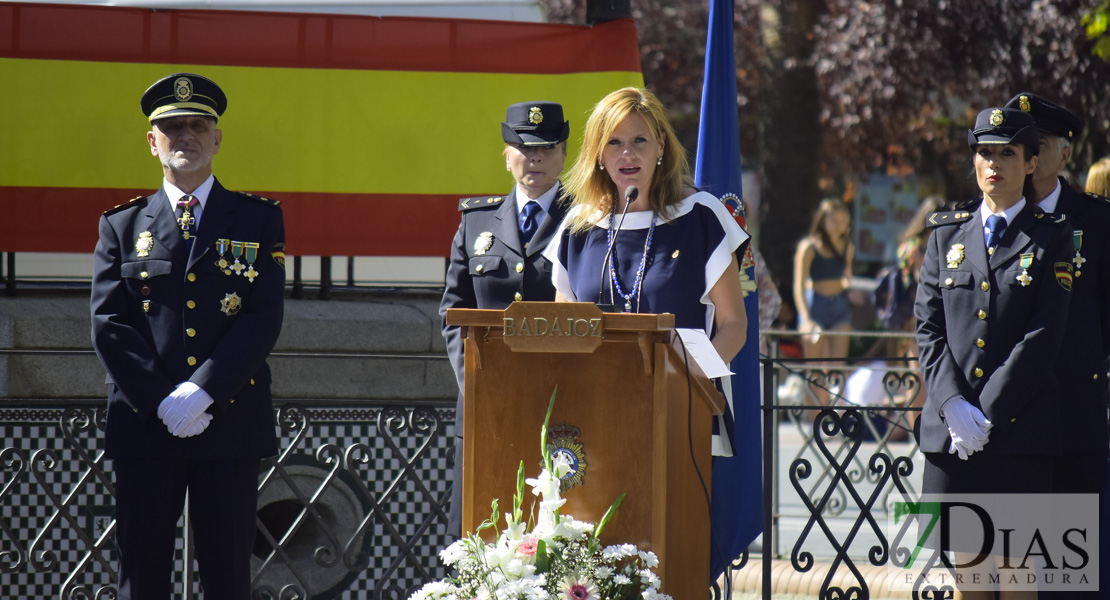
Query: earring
[600,166]
[659,160]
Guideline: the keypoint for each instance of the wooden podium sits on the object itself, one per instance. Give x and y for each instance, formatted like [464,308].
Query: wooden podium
[641,425]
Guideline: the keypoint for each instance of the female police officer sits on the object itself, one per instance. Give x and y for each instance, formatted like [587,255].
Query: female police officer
[991,305]
[497,254]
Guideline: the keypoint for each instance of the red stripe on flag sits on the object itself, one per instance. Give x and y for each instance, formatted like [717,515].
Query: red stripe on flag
[315,224]
[316,41]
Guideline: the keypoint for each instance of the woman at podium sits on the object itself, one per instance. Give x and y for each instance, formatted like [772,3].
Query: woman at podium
[638,235]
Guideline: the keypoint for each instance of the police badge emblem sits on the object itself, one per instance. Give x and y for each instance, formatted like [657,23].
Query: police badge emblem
[535,115]
[1023,103]
[563,441]
[144,244]
[955,256]
[996,117]
[483,243]
[183,89]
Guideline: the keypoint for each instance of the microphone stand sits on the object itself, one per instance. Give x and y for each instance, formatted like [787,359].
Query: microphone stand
[630,195]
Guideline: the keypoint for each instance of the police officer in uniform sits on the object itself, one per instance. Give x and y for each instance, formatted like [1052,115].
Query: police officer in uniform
[1081,366]
[497,254]
[991,306]
[187,301]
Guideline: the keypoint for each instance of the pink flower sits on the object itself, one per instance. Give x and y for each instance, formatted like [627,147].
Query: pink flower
[528,547]
[575,588]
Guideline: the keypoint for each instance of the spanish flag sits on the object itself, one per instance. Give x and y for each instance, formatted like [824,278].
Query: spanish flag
[368,130]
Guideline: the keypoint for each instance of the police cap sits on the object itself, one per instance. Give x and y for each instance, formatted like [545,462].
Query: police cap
[1048,115]
[1003,126]
[534,124]
[183,94]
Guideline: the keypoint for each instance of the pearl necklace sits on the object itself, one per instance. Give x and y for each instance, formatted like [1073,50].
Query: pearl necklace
[636,287]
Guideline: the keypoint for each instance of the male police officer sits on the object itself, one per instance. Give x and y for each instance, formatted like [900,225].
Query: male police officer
[497,254]
[186,304]
[1082,364]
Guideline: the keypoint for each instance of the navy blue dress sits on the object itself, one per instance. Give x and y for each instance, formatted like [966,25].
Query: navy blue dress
[688,254]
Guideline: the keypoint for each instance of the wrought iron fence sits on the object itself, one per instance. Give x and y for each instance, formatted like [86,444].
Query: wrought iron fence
[355,505]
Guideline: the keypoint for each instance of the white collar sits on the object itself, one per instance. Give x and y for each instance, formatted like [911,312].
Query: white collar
[544,200]
[1008,214]
[641,219]
[1049,202]
[201,193]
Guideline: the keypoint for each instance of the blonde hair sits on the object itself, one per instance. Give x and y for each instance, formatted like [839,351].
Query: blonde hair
[593,189]
[1098,178]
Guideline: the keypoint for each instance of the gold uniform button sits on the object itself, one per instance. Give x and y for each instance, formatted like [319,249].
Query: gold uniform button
[192,277]
[191,332]
[978,372]
[985,286]
[480,268]
[979,342]
[1014,420]
[191,304]
[948,282]
[144,274]
[252,381]
[232,401]
[519,267]
[982,314]
[517,296]
[192,360]
[136,410]
[1096,377]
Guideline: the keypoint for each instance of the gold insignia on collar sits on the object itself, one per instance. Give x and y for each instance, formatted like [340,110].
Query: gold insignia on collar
[144,244]
[674,254]
[535,115]
[1023,103]
[231,304]
[483,243]
[996,117]
[955,256]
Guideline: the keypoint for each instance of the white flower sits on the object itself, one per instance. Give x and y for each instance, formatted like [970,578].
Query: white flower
[545,485]
[603,572]
[434,589]
[513,531]
[649,559]
[455,552]
[647,576]
[621,579]
[611,553]
[561,465]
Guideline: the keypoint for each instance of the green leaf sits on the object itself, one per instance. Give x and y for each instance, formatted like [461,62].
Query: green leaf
[518,499]
[543,563]
[492,520]
[608,515]
[543,432]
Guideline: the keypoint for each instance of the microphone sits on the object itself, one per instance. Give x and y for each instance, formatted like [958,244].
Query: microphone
[630,194]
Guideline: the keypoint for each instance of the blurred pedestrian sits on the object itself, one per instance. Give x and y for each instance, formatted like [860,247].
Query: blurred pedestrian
[822,275]
[1098,178]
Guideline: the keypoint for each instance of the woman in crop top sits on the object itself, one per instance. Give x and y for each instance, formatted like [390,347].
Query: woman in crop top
[822,271]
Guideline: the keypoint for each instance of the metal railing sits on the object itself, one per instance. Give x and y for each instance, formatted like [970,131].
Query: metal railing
[355,504]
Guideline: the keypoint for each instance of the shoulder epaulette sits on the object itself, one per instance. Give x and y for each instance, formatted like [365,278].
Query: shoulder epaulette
[947,218]
[120,207]
[1055,218]
[480,202]
[1098,198]
[260,199]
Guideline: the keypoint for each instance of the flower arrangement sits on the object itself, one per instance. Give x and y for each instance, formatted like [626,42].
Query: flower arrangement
[560,558]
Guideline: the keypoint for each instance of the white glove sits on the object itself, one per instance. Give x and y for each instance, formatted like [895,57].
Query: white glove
[967,425]
[183,408]
[960,448]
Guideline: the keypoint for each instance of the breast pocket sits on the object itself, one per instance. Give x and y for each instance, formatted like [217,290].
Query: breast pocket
[950,280]
[483,266]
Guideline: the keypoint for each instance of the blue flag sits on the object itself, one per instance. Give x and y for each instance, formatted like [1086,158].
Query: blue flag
[737,480]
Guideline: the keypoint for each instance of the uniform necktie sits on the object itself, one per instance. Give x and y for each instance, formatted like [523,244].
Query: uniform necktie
[530,222]
[996,225]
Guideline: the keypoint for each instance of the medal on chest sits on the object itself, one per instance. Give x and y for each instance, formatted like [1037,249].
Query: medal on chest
[1026,261]
[1077,243]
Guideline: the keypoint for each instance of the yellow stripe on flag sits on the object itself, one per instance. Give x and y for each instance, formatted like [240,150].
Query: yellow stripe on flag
[78,124]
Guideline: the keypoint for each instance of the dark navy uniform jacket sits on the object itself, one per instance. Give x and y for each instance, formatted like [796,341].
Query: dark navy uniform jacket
[983,335]
[490,268]
[1083,360]
[168,317]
